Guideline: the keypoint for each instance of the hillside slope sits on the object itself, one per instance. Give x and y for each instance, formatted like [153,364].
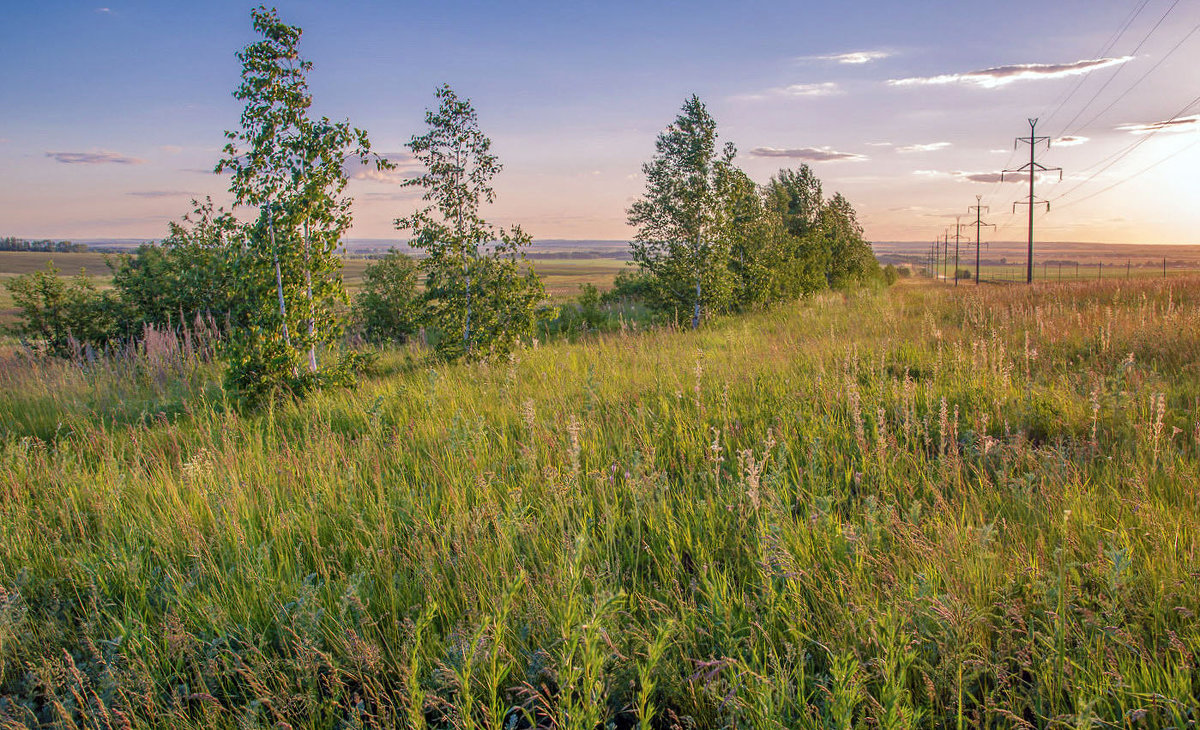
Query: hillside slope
[917,508]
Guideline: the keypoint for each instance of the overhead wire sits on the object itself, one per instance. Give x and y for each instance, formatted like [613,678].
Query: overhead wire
[1127,178]
[1125,152]
[1120,154]
[1112,41]
[1101,53]
[1136,83]
[1117,156]
[1121,68]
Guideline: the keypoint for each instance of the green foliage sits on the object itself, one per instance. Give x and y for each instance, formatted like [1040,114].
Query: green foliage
[964,274]
[589,312]
[890,275]
[589,305]
[679,240]
[61,317]
[292,168]
[12,243]
[483,296]
[191,273]
[388,307]
[709,239]
[749,238]
[850,256]
[795,201]
[630,284]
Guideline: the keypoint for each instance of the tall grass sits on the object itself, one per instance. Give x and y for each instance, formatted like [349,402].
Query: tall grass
[923,508]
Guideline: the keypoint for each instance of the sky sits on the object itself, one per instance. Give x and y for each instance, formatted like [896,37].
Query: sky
[114,113]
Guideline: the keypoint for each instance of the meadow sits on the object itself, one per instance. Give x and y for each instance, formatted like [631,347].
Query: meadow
[562,276]
[925,506]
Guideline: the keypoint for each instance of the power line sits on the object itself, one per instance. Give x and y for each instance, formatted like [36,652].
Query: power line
[957,239]
[1112,41]
[978,209]
[1124,180]
[1033,167]
[1121,67]
[1123,153]
[1135,84]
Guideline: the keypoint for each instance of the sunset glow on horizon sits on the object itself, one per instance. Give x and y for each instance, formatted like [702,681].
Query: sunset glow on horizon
[115,114]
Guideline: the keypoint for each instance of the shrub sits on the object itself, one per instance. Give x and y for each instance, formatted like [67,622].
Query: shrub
[890,275]
[58,315]
[388,307]
[630,284]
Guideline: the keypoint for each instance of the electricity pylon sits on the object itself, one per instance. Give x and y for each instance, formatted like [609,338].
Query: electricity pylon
[1032,167]
[957,238]
[978,209]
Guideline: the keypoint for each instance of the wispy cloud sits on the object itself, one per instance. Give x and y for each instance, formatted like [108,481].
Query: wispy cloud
[987,177]
[811,154]
[975,177]
[879,144]
[994,177]
[170,149]
[990,78]
[161,194]
[854,58]
[406,194]
[1180,124]
[1071,141]
[104,11]
[404,163]
[98,157]
[793,91]
[930,147]
[825,88]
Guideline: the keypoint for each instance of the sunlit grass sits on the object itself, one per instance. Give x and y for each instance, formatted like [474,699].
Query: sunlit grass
[922,508]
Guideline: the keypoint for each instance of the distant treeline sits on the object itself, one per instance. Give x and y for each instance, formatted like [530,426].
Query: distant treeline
[12,243]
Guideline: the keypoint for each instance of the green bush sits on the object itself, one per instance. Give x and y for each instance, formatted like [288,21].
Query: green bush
[59,316]
[388,307]
[890,275]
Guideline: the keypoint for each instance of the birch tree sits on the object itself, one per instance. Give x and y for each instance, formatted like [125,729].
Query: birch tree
[291,167]
[678,239]
[483,296]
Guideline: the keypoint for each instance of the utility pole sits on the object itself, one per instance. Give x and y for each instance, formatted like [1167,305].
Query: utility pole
[978,208]
[1031,167]
[946,253]
[957,238]
[937,258]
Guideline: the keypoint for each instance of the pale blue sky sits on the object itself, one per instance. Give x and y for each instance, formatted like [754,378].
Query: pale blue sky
[113,114]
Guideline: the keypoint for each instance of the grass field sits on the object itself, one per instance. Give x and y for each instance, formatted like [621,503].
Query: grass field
[1015,274]
[916,508]
[561,276]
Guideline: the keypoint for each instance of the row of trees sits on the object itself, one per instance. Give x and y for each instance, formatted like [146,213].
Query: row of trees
[274,281]
[709,240]
[11,243]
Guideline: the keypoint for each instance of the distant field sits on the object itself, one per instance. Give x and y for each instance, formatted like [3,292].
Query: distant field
[1070,272]
[14,263]
[1012,254]
[562,276]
